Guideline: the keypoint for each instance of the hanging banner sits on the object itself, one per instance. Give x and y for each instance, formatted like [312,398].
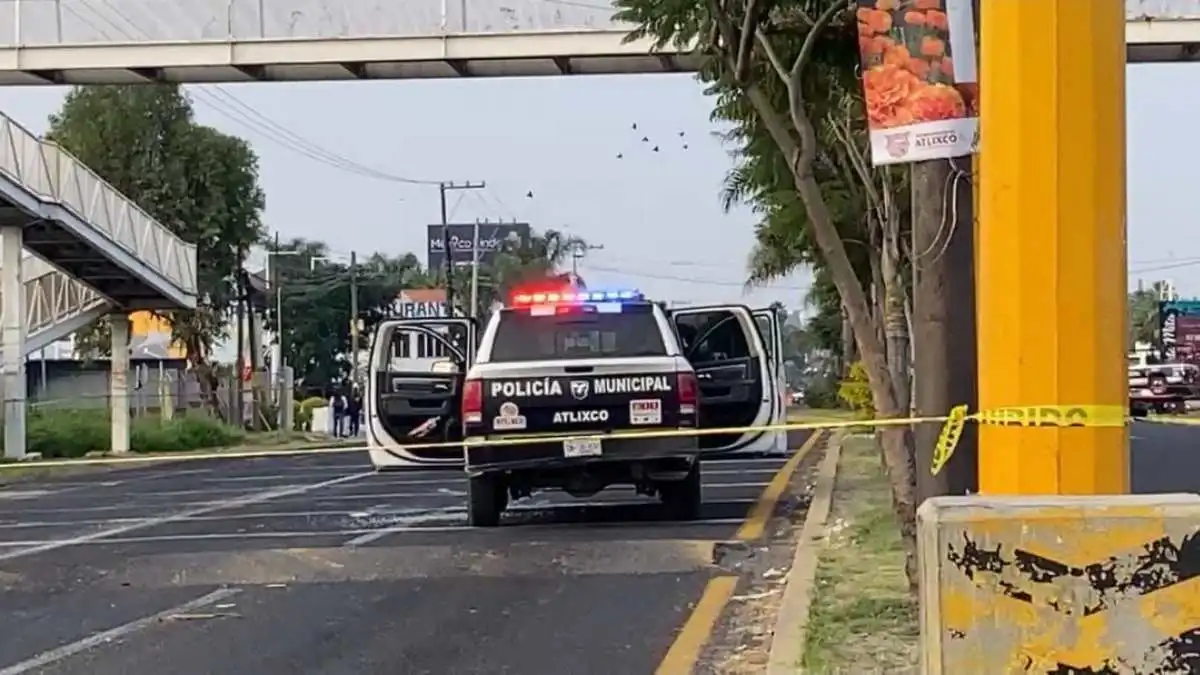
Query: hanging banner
[920,81]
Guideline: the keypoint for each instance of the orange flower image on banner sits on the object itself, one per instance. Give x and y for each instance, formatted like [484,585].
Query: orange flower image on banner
[908,67]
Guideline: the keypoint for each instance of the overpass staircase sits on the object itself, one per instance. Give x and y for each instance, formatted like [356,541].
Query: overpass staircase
[89,249]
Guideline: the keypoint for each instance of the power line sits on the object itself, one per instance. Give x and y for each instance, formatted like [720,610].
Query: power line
[691,280]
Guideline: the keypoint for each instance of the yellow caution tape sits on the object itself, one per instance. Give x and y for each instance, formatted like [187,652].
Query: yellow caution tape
[953,423]
[1023,416]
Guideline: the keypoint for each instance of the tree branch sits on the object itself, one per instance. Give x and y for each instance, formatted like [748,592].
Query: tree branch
[803,159]
[745,42]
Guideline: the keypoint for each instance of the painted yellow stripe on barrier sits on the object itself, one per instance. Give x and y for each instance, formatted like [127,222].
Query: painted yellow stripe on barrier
[685,651]
[756,521]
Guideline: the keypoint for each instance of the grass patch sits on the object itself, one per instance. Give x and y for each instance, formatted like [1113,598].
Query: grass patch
[805,415]
[862,618]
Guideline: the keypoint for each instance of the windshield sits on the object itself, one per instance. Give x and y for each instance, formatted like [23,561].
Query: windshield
[585,334]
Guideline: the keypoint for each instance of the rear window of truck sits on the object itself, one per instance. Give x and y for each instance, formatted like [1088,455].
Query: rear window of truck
[582,333]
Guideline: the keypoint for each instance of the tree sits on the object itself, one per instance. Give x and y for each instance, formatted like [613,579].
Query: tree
[315,295]
[539,257]
[785,69]
[196,181]
[1143,313]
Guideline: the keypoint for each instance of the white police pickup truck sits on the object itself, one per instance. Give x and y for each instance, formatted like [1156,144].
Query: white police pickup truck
[590,372]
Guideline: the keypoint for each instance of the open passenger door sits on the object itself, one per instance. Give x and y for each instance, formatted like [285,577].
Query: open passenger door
[735,375]
[770,326]
[415,389]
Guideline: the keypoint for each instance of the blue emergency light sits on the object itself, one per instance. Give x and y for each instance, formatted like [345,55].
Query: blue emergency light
[575,297]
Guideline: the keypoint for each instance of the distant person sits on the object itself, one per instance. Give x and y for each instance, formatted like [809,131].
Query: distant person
[354,409]
[338,404]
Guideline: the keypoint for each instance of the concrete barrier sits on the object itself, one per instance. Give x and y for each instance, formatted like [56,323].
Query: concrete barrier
[1056,585]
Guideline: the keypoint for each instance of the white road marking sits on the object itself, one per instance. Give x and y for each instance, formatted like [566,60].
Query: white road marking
[358,532]
[97,639]
[212,507]
[244,489]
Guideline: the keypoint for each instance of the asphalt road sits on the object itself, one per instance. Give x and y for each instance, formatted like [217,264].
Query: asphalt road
[318,565]
[1164,457]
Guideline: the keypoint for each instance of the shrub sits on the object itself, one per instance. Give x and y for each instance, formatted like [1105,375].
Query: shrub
[822,392]
[304,412]
[191,432]
[75,433]
[855,392]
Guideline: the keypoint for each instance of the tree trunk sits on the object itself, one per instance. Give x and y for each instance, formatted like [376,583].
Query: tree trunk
[849,347]
[943,320]
[897,442]
[871,349]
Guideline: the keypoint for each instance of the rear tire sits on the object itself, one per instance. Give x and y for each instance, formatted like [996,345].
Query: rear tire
[486,500]
[683,499]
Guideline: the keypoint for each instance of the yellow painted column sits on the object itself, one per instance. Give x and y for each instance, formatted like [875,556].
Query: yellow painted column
[1051,286]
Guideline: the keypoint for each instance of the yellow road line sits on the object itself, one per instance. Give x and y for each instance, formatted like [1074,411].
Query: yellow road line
[685,651]
[756,521]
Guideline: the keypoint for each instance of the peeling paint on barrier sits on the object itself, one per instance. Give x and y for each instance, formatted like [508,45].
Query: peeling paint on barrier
[1061,585]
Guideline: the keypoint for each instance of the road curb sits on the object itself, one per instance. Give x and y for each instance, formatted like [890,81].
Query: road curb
[791,622]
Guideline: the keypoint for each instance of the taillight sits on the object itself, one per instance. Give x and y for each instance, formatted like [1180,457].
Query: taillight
[472,402]
[685,384]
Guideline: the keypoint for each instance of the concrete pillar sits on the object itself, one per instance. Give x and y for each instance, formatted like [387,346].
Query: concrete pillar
[12,337]
[1059,584]
[1051,285]
[119,382]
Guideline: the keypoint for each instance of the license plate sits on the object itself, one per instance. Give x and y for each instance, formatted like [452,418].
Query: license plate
[582,447]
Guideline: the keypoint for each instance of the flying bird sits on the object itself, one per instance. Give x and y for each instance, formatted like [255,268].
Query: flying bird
[529,195]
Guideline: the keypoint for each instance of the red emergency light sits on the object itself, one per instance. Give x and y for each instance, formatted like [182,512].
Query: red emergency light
[572,296]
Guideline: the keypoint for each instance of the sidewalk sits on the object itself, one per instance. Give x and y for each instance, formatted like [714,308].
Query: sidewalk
[847,607]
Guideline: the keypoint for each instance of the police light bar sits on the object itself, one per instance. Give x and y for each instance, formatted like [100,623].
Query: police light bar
[574,297]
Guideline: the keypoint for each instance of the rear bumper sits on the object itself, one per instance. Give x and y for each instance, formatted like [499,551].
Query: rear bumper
[481,458]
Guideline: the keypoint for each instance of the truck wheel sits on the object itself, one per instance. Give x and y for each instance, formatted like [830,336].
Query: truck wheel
[1158,384]
[683,499]
[485,500]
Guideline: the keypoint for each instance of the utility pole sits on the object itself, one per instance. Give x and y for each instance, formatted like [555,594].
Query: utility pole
[277,283]
[578,250]
[443,188]
[475,270]
[945,340]
[241,337]
[353,317]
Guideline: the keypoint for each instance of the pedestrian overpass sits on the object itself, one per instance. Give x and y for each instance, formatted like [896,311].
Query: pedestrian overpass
[208,41]
[72,249]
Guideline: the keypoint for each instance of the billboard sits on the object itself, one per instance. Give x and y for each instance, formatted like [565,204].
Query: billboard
[920,83]
[1179,330]
[492,239]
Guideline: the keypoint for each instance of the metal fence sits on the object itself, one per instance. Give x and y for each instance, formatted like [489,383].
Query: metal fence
[164,389]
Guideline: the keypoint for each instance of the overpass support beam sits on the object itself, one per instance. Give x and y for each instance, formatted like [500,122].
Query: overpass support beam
[119,382]
[1051,290]
[12,340]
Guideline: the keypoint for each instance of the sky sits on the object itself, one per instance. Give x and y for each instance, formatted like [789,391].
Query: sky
[657,215]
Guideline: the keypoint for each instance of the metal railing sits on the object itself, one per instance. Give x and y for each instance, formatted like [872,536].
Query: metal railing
[42,22]
[46,22]
[52,297]
[54,175]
